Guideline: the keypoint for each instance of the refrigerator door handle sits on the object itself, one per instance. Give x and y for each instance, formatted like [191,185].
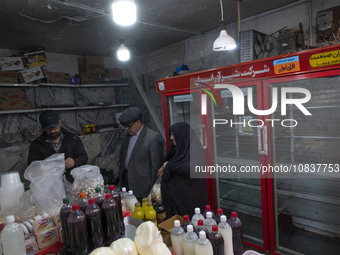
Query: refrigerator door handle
[204,137]
[262,140]
[265,141]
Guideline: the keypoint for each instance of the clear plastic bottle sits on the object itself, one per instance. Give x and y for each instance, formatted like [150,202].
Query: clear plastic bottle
[200,227]
[186,222]
[177,235]
[131,200]
[203,245]
[116,196]
[216,240]
[227,233]
[65,212]
[189,241]
[197,216]
[218,214]
[209,222]
[150,213]
[94,224]
[138,213]
[99,196]
[208,209]
[12,238]
[111,228]
[83,203]
[124,194]
[78,231]
[236,225]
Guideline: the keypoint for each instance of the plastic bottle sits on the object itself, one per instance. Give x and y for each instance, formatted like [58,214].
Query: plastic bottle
[78,231]
[94,224]
[208,209]
[83,203]
[116,196]
[177,235]
[236,225]
[153,200]
[150,213]
[111,228]
[186,222]
[209,222]
[124,193]
[203,245]
[189,241]
[65,212]
[12,238]
[131,200]
[200,227]
[144,203]
[197,216]
[217,241]
[227,233]
[160,211]
[99,196]
[217,216]
[138,213]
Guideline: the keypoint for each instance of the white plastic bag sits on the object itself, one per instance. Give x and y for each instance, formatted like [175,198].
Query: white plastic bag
[46,177]
[86,179]
[156,189]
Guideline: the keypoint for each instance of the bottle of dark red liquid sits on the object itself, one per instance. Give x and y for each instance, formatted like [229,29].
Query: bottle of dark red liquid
[200,227]
[236,226]
[83,203]
[99,196]
[208,209]
[111,228]
[186,222]
[216,240]
[116,196]
[94,224]
[65,212]
[217,216]
[77,226]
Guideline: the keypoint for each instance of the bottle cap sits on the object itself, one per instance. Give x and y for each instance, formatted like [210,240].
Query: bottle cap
[82,195]
[234,214]
[153,195]
[190,228]
[98,189]
[223,218]
[112,187]
[209,215]
[186,217]
[202,234]
[91,201]
[219,211]
[200,222]
[66,200]
[149,204]
[130,192]
[145,199]
[123,189]
[208,208]
[159,200]
[177,223]
[108,195]
[197,210]
[137,204]
[10,218]
[215,228]
[75,207]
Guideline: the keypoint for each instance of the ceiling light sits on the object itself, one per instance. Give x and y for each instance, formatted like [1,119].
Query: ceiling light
[124,12]
[224,41]
[123,53]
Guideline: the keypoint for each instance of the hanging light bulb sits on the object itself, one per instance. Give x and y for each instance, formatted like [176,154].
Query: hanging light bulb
[224,41]
[123,53]
[124,12]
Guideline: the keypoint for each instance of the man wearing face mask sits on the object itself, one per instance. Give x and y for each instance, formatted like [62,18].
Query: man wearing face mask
[55,139]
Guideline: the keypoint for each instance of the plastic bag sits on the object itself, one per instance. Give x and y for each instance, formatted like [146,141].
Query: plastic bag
[86,179]
[156,189]
[46,177]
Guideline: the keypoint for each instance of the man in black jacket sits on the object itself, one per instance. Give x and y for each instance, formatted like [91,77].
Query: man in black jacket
[56,139]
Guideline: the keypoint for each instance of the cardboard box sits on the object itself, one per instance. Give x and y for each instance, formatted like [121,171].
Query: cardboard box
[12,94]
[14,105]
[166,227]
[8,77]
[56,77]
[89,78]
[35,59]
[12,63]
[95,65]
[114,73]
[32,74]
[82,64]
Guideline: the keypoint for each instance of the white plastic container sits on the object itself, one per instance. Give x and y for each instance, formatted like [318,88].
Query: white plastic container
[12,238]
[10,178]
[197,216]
[189,241]
[227,233]
[203,245]
[130,201]
[10,195]
[177,235]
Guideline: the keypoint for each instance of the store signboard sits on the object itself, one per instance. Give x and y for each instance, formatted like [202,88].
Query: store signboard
[325,58]
[286,65]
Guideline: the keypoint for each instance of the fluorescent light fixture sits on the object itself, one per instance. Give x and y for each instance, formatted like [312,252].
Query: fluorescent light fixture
[124,12]
[123,53]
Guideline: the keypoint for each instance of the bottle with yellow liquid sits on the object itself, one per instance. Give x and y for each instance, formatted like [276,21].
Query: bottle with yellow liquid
[144,205]
[138,213]
[150,213]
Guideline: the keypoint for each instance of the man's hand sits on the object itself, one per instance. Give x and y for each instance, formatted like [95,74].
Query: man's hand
[161,169]
[69,162]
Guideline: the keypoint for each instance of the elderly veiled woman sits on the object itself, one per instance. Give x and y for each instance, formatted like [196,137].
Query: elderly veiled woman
[180,193]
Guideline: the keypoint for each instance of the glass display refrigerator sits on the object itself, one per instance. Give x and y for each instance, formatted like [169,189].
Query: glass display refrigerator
[269,129]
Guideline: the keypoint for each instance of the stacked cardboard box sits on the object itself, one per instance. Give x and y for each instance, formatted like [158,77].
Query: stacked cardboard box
[13,99]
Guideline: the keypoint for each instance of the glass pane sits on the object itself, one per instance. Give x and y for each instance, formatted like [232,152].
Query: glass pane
[308,203]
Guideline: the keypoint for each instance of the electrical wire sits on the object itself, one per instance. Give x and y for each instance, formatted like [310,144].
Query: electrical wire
[221,10]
